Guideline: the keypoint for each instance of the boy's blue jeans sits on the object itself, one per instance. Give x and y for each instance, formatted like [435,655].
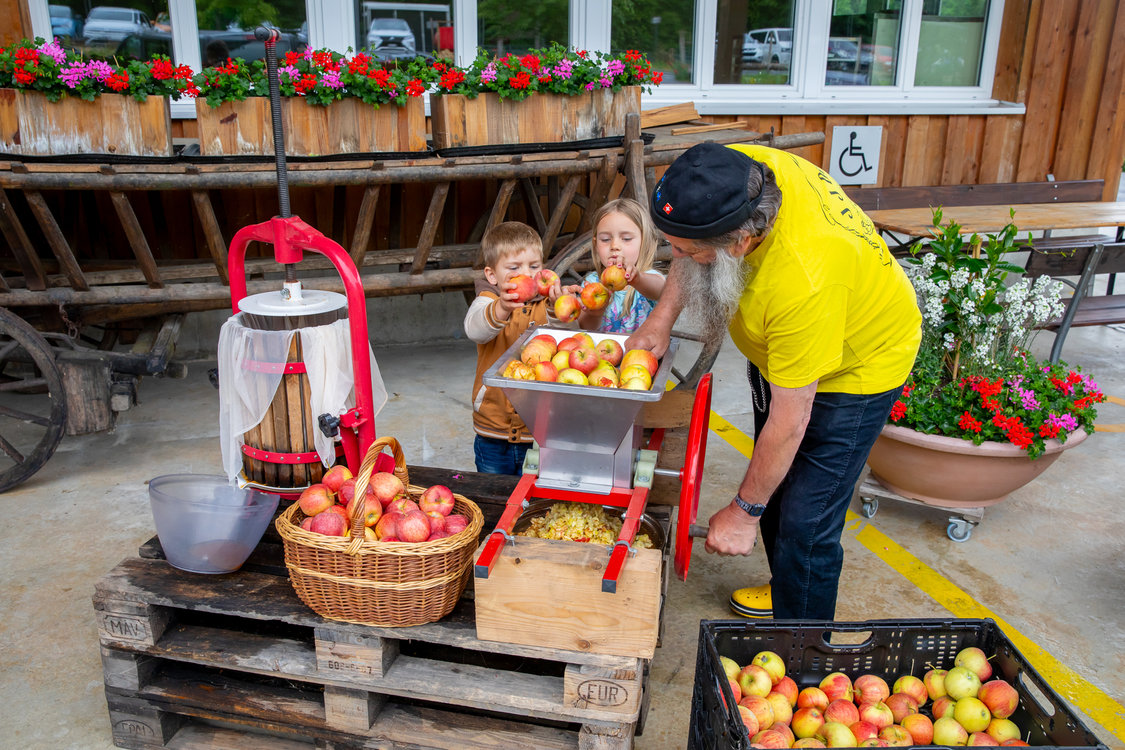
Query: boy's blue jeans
[495,456]
[804,518]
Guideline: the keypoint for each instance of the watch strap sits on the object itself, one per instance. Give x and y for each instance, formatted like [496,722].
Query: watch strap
[755,510]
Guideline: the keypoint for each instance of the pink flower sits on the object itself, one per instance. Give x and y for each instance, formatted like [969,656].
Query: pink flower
[54,51]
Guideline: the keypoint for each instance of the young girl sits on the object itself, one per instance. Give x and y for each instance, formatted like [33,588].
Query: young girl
[624,236]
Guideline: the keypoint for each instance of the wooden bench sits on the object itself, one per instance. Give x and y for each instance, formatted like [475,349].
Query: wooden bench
[1064,191]
[1085,257]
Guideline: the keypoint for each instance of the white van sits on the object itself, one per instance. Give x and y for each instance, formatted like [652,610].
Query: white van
[776,44]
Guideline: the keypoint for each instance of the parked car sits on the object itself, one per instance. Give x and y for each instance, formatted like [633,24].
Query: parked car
[843,54]
[215,46]
[776,44]
[107,25]
[391,39]
[64,24]
[751,51]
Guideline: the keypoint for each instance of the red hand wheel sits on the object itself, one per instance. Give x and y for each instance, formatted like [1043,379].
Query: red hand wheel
[691,477]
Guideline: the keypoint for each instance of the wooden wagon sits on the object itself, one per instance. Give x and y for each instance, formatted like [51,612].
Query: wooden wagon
[105,252]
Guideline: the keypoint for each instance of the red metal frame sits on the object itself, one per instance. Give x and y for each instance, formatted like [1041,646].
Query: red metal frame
[291,237]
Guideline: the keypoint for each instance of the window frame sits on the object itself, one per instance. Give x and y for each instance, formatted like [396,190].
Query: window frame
[332,24]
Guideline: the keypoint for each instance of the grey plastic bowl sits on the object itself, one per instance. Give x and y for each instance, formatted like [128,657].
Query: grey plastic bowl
[206,524]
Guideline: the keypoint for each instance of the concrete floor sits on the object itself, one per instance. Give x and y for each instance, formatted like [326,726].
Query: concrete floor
[1049,561]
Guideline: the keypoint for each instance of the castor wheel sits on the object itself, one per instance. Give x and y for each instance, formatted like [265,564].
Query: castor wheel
[959,530]
[870,507]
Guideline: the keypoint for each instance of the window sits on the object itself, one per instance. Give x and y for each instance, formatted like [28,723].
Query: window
[396,31]
[504,26]
[862,45]
[663,31]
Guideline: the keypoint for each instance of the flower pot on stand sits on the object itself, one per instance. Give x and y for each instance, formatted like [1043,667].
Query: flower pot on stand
[458,121]
[242,128]
[955,473]
[110,124]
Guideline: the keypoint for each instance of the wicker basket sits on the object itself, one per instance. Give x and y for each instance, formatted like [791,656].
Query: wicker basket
[391,584]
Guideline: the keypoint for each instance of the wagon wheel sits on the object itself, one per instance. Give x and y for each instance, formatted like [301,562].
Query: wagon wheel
[31,424]
[578,250]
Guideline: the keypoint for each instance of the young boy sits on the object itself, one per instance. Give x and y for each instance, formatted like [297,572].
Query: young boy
[494,321]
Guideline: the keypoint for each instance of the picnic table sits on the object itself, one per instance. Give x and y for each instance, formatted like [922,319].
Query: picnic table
[1030,217]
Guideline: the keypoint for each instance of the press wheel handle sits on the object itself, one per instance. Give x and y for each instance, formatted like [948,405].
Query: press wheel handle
[697,531]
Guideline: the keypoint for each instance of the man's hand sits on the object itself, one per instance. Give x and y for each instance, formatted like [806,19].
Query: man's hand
[650,336]
[732,532]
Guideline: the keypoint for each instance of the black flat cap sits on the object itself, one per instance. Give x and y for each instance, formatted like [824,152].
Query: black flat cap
[703,193]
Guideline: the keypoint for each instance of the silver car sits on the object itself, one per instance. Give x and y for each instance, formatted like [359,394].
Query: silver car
[391,38]
[107,25]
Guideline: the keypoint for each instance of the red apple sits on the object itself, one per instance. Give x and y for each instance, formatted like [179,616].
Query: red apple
[975,660]
[524,287]
[455,523]
[808,742]
[921,728]
[642,357]
[981,739]
[536,351]
[870,688]
[1014,743]
[735,689]
[864,730]
[608,350]
[877,714]
[1000,697]
[836,685]
[942,706]
[547,339]
[913,687]
[755,681]
[545,278]
[545,372]
[782,711]
[341,511]
[414,526]
[784,729]
[307,523]
[812,697]
[749,720]
[585,340]
[567,308]
[435,535]
[874,742]
[896,736]
[385,487]
[438,498]
[788,688]
[372,511]
[594,295]
[770,739]
[901,704]
[807,722]
[437,521]
[329,524]
[948,732]
[761,707]
[843,711]
[583,360]
[934,680]
[315,499]
[335,477]
[569,344]
[387,525]
[613,278]
[402,504]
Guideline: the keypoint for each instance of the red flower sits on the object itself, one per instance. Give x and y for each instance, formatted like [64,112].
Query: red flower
[987,388]
[324,60]
[531,62]
[991,404]
[1083,402]
[907,390]
[632,55]
[306,84]
[359,64]
[451,78]
[657,77]
[415,87]
[183,73]
[544,79]
[520,81]
[118,81]
[382,77]
[898,411]
[23,76]
[1020,436]
[162,70]
[969,423]
[1049,430]
[292,58]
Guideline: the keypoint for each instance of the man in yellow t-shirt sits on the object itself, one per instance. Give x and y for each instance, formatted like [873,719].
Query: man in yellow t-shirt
[771,249]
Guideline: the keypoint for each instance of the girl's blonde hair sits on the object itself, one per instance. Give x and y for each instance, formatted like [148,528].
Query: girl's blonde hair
[638,214]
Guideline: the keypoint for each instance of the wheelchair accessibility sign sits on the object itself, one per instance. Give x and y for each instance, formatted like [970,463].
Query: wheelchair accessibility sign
[855,154]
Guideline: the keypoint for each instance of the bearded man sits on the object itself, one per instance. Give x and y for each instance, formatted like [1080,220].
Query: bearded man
[771,249]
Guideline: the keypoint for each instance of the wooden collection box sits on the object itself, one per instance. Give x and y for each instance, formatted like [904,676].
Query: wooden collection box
[110,124]
[543,592]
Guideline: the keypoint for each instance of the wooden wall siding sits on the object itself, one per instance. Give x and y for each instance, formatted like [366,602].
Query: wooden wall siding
[1053,50]
[1108,141]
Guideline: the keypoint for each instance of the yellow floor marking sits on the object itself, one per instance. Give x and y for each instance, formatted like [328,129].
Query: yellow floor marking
[1111,427]
[1081,694]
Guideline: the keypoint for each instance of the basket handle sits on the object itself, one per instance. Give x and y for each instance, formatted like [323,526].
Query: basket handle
[363,478]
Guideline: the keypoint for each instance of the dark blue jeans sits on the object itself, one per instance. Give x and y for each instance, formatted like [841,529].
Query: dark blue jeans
[495,456]
[804,518]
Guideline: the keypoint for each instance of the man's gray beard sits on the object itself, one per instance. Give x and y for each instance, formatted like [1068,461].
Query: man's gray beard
[711,293]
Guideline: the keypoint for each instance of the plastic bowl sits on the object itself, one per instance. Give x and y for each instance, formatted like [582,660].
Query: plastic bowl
[206,524]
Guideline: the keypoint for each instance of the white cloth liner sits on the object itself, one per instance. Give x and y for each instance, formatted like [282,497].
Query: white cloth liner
[245,392]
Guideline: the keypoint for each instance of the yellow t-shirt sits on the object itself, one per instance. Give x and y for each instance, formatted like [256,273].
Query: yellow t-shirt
[826,300]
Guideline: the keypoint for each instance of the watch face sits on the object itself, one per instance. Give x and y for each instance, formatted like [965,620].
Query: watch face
[757,510]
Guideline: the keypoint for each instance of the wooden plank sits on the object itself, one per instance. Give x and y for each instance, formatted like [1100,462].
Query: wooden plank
[1045,96]
[1084,85]
[1029,217]
[560,213]
[531,203]
[548,593]
[136,239]
[1028,49]
[128,622]
[976,195]
[350,709]
[56,240]
[1107,149]
[154,126]
[1010,52]
[295,420]
[673,113]
[212,234]
[10,141]
[1000,149]
[935,148]
[613,690]
[34,277]
[340,652]
[733,125]
[430,228]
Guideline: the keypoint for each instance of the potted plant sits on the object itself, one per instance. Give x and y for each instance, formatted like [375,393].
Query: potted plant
[54,101]
[980,416]
[546,96]
[331,104]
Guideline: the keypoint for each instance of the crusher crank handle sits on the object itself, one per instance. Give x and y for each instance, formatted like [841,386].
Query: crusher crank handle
[697,531]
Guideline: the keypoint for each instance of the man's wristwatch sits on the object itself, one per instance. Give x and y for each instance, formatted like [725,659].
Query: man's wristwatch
[755,510]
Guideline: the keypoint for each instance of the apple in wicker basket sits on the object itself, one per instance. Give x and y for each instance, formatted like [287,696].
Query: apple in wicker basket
[386,487]
[315,499]
[455,523]
[335,477]
[437,521]
[403,505]
[438,498]
[413,527]
[387,526]
[329,524]
[372,511]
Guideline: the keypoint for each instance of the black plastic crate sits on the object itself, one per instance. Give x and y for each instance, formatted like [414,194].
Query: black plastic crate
[888,648]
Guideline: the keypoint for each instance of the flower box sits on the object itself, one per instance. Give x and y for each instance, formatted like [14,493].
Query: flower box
[239,128]
[458,121]
[110,124]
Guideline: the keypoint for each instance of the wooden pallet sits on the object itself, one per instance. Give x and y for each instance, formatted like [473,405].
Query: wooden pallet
[229,661]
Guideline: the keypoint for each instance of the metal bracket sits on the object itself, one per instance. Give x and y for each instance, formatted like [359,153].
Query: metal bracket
[644,471]
[531,460]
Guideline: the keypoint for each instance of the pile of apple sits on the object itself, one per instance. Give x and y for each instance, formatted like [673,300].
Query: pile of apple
[593,296]
[578,360]
[389,515]
[967,707]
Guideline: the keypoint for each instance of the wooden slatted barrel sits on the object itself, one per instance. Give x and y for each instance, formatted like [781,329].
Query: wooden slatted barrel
[280,453]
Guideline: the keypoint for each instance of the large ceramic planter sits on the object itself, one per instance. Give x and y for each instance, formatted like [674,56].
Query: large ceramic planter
[955,473]
[345,127]
[110,124]
[457,121]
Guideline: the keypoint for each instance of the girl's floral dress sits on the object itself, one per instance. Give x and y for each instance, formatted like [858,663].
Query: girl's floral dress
[618,320]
